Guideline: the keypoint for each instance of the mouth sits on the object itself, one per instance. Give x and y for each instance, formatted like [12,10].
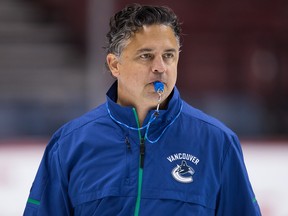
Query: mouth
[156,81]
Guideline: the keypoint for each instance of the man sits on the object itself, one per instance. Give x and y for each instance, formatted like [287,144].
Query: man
[145,151]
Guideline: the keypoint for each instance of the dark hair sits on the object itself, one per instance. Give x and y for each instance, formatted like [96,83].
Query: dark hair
[128,21]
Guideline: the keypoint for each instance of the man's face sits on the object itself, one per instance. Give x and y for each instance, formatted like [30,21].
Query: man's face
[151,55]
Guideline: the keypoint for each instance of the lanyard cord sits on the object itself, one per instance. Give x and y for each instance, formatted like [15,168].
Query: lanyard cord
[152,118]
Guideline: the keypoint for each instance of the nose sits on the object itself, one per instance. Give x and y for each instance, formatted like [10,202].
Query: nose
[158,65]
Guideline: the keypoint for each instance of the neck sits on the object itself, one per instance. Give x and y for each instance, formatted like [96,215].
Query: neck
[142,109]
[141,113]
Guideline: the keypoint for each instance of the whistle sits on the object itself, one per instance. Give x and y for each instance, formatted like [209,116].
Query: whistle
[159,87]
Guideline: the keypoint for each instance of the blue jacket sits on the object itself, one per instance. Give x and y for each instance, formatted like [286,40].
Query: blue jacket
[101,164]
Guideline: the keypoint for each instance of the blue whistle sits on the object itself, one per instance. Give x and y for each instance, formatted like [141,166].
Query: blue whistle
[158,86]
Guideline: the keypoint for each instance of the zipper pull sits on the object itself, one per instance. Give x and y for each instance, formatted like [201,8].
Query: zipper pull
[142,153]
[128,144]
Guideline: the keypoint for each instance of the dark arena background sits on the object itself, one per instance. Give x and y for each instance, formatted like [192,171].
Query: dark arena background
[233,66]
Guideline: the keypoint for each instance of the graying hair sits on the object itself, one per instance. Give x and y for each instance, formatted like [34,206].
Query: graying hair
[125,23]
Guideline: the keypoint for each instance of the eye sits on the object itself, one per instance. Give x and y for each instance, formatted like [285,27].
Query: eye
[146,56]
[168,55]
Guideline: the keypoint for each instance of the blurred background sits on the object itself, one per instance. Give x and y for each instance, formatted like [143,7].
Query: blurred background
[233,65]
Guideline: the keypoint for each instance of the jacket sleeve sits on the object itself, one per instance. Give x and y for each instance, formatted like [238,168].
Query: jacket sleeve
[48,194]
[236,196]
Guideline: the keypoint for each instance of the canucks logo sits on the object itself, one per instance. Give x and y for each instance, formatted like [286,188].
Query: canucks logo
[183,173]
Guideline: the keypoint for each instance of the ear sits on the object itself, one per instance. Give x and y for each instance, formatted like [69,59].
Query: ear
[113,64]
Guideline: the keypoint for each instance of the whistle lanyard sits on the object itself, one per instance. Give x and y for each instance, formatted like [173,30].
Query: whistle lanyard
[147,126]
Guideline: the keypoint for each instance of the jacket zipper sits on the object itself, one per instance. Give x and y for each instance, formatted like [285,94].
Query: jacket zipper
[128,153]
[142,152]
[141,165]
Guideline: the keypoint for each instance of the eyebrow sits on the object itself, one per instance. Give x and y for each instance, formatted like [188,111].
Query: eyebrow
[150,50]
[143,50]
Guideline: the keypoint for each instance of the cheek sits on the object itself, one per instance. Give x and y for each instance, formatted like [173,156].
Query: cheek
[175,77]
[131,77]
[172,79]
[136,73]
[173,74]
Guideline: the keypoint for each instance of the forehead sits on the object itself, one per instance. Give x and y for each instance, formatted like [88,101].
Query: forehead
[153,37]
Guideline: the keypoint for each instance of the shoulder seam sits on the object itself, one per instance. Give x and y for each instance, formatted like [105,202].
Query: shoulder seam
[78,127]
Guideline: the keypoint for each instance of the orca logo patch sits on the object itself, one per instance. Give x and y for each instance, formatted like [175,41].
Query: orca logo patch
[183,172]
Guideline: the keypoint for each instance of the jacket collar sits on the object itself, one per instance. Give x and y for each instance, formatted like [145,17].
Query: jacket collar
[126,114]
